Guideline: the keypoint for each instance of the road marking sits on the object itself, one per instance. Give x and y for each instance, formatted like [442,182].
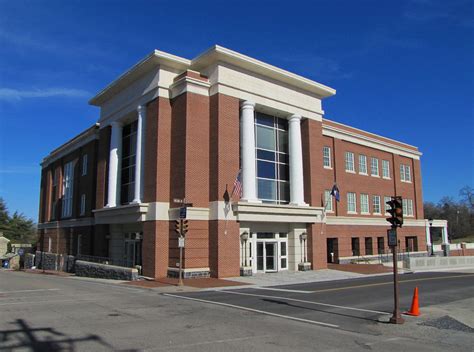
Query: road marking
[390,283]
[36,290]
[51,301]
[281,289]
[254,310]
[308,302]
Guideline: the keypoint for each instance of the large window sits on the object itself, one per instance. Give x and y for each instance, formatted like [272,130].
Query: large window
[405,173]
[385,169]
[327,157]
[129,149]
[272,159]
[54,193]
[351,202]
[350,162]
[68,182]
[364,203]
[374,166]
[362,164]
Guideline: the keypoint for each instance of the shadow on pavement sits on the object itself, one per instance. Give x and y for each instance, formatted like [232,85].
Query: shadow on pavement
[319,310]
[44,339]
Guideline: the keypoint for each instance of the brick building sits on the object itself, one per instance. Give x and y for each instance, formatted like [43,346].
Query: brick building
[172,128]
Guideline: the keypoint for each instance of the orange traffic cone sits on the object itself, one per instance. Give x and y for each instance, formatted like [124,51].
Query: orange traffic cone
[414,310]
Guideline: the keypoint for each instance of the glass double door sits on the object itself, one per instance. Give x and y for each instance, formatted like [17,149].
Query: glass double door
[267,258]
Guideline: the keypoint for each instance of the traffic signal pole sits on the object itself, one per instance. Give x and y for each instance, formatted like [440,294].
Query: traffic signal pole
[396,219]
[396,317]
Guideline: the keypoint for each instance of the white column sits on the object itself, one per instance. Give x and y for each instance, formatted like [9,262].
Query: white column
[445,234]
[428,238]
[114,162]
[247,143]
[296,161]
[138,191]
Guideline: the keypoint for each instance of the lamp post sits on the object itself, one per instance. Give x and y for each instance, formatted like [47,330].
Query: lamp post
[430,221]
[244,237]
[303,238]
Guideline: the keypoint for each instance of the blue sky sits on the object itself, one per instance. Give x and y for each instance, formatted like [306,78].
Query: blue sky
[402,69]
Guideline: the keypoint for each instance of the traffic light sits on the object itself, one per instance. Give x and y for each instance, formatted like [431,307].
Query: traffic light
[177,226]
[396,211]
[185,227]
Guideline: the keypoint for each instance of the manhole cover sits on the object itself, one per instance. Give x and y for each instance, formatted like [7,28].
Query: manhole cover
[448,323]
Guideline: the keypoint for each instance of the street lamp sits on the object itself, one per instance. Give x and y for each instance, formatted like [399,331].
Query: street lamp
[244,237]
[430,221]
[303,238]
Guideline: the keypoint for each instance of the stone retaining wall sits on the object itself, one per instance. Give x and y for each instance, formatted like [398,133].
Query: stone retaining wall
[104,271]
[433,263]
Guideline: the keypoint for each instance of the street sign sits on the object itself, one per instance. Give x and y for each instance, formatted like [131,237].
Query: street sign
[182,213]
[180,242]
[392,237]
[177,200]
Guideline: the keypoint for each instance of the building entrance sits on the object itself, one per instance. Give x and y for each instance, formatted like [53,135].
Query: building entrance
[271,252]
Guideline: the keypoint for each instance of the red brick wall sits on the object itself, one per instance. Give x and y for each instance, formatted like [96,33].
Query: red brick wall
[223,168]
[155,248]
[316,246]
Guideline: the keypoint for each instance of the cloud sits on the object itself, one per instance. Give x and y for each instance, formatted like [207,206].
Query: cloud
[20,169]
[9,94]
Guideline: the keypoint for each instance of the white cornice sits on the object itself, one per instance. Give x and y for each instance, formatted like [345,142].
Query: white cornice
[153,59]
[217,53]
[189,84]
[80,140]
[353,137]
[356,221]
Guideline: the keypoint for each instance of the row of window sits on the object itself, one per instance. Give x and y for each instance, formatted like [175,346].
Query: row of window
[364,204]
[405,170]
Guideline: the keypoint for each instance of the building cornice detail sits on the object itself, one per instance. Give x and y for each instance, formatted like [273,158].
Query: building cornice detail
[80,140]
[339,133]
[357,221]
[67,223]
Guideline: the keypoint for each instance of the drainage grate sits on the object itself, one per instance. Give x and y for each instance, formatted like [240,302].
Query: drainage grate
[448,323]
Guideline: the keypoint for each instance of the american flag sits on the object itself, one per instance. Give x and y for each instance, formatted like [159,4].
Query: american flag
[237,185]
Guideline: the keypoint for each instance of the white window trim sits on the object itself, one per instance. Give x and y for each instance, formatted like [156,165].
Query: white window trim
[366,167]
[329,201]
[372,168]
[366,196]
[353,162]
[330,159]
[380,205]
[355,203]
[386,177]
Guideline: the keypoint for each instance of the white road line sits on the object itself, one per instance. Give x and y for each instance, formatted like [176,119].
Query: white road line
[307,302]
[254,310]
[280,289]
[36,290]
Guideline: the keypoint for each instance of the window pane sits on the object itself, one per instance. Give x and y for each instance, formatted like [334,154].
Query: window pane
[284,172]
[282,124]
[283,141]
[266,155]
[265,138]
[263,119]
[283,158]
[284,191]
[267,189]
[283,248]
[266,169]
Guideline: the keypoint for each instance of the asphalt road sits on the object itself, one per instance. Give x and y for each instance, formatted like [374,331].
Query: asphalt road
[50,313]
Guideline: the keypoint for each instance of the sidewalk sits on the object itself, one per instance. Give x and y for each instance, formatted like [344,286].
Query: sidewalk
[262,280]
